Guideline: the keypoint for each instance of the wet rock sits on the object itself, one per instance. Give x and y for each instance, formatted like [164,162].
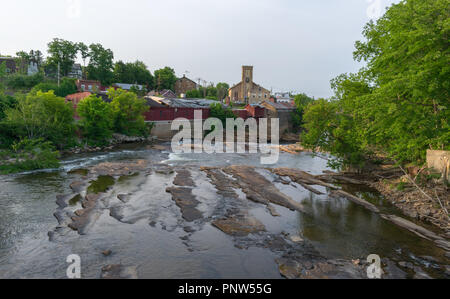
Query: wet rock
[429,259]
[125,198]
[107,252]
[183,179]
[61,201]
[224,185]
[447,270]
[77,186]
[189,229]
[117,213]
[276,243]
[273,211]
[289,269]
[82,218]
[239,226]
[391,271]
[119,169]
[296,239]
[59,215]
[119,272]
[420,274]
[259,189]
[159,147]
[153,224]
[418,230]
[164,169]
[82,172]
[187,203]
[406,265]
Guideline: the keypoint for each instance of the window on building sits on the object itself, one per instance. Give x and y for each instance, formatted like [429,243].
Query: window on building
[83,87]
[90,87]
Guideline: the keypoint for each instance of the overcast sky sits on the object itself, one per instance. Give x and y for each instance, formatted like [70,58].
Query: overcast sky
[294,45]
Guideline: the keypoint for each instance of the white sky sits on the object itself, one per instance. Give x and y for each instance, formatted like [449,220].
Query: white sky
[294,45]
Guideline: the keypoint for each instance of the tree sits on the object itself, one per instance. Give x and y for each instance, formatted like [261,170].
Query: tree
[133,73]
[43,115]
[194,94]
[301,102]
[222,90]
[127,113]
[397,105]
[6,102]
[96,119]
[221,113]
[22,62]
[101,64]
[84,51]
[64,53]
[165,78]
[66,87]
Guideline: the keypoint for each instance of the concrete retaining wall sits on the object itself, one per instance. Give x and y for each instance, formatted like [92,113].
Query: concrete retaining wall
[439,161]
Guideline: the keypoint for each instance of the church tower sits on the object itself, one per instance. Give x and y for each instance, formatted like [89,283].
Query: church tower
[247,80]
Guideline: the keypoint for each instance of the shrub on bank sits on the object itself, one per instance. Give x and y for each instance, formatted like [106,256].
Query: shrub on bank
[29,154]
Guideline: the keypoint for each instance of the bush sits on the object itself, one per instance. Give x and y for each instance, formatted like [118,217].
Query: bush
[66,87]
[18,82]
[30,154]
[96,120]
[42,115]
[127,113]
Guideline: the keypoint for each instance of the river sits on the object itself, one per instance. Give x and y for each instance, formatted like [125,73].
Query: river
[151,235]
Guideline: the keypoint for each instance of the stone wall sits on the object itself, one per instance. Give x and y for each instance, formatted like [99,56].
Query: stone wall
[183,85]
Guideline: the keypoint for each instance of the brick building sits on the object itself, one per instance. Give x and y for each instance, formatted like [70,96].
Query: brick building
[183,85]
[247,91]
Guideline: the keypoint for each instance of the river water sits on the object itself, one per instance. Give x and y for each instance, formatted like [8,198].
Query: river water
[151,235]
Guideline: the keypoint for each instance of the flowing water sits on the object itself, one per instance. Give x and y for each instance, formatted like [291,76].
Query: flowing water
[152,236]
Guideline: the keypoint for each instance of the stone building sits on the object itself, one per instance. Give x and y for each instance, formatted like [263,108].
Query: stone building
[183,85]
[247,91]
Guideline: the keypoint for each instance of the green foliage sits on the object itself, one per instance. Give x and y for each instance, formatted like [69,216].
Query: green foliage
[21,82]
[219,92]
[398,105]
[30,154]
[127,113]
[194,94]
[96,120]
[218,111]
[333,132]
[42,115]
[100,64]
[66,87]
[6,102]
[165,78]
[222,90]
[301,101]
[133,73]
[63,52]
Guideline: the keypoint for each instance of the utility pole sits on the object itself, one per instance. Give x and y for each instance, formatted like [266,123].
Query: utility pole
[59,72]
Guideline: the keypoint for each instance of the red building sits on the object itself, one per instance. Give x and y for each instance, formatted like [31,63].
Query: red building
[75,99]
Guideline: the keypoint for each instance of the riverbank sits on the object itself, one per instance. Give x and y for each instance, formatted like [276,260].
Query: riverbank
[429,204]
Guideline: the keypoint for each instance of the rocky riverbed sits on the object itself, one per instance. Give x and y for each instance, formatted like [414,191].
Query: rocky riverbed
[147,213]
